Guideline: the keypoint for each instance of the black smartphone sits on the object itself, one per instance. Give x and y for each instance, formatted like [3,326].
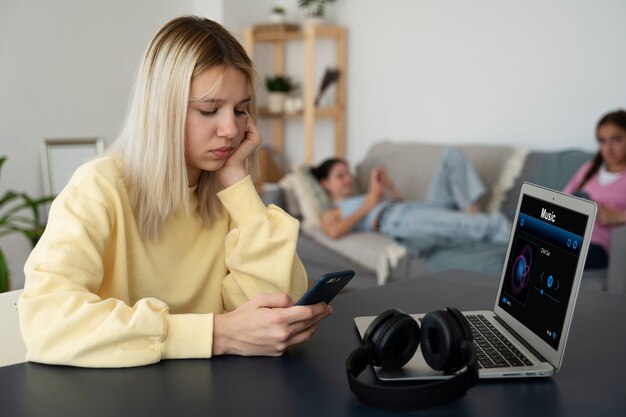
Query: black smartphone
[326,288]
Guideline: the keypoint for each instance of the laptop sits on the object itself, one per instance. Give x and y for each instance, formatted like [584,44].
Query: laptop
[526,332]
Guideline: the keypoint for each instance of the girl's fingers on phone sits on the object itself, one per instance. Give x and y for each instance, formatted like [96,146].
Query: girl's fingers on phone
[304,325]
[299,313]
[303,336]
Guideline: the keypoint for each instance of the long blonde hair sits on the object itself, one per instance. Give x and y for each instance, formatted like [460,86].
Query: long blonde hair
[152,141]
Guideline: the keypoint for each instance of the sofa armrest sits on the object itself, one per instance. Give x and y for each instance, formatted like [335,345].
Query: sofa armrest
[273,193]
[616,279]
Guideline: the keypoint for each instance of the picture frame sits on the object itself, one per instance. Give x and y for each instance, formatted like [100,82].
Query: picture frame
[62,156]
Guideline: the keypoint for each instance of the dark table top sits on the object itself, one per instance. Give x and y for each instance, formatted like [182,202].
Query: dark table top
[310,379]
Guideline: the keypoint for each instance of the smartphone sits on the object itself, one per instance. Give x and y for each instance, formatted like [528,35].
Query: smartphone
[326,288]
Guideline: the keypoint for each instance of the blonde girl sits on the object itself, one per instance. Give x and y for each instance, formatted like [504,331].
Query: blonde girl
[162,249]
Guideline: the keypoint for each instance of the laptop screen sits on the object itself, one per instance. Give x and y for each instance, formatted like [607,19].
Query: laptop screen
[541,268]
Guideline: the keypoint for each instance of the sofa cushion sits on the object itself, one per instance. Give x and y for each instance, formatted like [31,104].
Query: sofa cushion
[557,168]
[548,169]
[369,250]
[472,256]
[411,166]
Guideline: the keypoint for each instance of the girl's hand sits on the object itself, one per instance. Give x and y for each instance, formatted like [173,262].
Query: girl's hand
[266,325]
[233,169]
[376,191]
[381,183]
[609,217]
[377,184]
[384,177]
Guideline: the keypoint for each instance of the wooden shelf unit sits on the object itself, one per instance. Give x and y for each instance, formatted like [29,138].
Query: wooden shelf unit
[309,34]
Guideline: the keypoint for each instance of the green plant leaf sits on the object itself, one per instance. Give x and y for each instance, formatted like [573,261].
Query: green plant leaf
[4,269]
[32,235]
[315,7]
[20,213]
[16,220]
[7,197]
[279,83]
[10,212]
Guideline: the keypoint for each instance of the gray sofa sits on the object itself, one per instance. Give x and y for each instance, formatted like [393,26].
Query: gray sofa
[378,260]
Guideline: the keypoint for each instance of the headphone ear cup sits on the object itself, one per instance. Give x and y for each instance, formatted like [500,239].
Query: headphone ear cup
[395,341]
[442,339]
[392,339]
[467,337]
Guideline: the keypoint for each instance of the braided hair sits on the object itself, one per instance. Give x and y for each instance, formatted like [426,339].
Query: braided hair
[617,118]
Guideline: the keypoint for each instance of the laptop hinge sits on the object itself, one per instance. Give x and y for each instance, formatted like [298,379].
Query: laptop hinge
[519,339]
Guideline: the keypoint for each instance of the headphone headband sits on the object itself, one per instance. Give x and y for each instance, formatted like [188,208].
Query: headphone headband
[407,397]
[413,396]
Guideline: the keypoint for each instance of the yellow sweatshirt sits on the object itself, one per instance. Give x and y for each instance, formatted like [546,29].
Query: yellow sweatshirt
[98,295]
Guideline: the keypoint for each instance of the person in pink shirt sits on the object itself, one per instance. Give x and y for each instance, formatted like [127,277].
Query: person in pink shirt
[603,180]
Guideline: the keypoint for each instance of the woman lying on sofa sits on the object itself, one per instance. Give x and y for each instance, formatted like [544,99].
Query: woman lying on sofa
[449,213]
[603,180]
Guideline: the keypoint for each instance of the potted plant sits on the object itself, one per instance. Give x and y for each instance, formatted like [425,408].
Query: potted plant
[278,14]
[314,9]
[19,213]
[278,87]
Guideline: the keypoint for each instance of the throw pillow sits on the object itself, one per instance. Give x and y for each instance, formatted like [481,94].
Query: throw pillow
[509,175]
[291,201]
[312,199]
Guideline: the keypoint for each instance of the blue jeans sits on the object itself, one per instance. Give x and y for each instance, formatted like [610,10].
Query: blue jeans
[597,257]
[455,184]
[437,220]
[422,227]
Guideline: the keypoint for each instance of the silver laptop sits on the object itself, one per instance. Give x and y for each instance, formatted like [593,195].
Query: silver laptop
[526,333]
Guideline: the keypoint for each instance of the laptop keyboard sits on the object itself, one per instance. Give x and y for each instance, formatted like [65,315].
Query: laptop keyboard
[492,349]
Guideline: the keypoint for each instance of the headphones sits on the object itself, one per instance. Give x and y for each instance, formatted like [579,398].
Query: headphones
[393,338]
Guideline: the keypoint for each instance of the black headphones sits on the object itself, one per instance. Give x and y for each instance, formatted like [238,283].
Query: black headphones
[393,338]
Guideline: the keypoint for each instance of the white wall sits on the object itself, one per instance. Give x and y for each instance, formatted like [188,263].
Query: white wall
[66,69]
[537,73]
[239,14]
